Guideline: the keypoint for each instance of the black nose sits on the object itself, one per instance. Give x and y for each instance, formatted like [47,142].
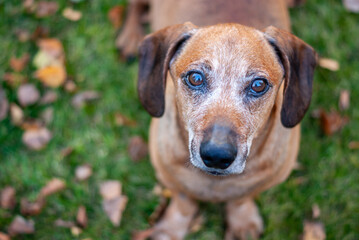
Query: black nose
[217,156]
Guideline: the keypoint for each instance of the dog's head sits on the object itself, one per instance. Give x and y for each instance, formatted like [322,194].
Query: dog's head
[227,79]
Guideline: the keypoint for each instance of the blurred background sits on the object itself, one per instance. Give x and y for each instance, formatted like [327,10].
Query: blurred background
[70,120]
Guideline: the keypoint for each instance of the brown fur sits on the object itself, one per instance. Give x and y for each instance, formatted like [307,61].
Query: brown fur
[265,129]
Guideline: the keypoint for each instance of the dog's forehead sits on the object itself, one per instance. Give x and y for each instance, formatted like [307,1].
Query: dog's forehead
[229,45]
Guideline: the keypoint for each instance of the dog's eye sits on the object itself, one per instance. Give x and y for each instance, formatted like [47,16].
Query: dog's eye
[195,79]
[259,86]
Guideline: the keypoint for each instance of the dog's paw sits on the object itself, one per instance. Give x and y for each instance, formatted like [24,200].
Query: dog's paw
[244,221]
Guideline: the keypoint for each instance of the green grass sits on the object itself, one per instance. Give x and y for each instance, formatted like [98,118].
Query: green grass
[331,170]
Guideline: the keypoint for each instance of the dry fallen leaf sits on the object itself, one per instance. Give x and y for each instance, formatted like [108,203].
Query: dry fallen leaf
[4,105]
[160,209]
[115,15]
[71,14]
[66,151]
[114,209]
[21,226]
[65,224]
[50,96]
[122,120]
[313,231]
[14,79]
[81,217]
[52,76]
[70,86]
[53,186]
[76,231]
[137,148]
[32,208]
[16,114]
[22,35]
[143,235]
[31,124]
[354,145]
[332,122]
[110,189]
[315,211]
[47,115]
[7,198]
[40,32]
[18,64]
[36,139]
[329,64]
[80,99]
[4,236]
[83,172]
[344,100]
[158,190]
[28,94]
[46,8]
[351,5]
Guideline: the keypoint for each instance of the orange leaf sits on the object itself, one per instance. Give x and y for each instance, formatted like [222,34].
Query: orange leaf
[115,16]
[52,76]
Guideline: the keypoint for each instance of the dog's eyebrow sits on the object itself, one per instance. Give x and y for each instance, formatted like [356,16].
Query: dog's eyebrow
[204,66]
[258,73]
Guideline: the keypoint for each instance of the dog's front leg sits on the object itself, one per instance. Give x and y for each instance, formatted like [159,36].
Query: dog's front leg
[132,33]
[243,220]
[175,223]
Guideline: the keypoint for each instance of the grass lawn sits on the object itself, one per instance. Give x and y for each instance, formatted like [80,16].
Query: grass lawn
[329,175]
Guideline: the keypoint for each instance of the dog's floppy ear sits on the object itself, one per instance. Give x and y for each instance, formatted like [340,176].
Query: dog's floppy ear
[156,51]
[298,60]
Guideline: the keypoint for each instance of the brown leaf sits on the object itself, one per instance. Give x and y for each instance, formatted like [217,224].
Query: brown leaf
[122,120]
[17,115]
[71,14]
[22,35]
[40,32]
[14,79]
[158,190]
[28,94]
[354,145]
[329,64]
[332,122]
[315,211]
[344,100]
[66,151]
[351,5]
[53,186]
[160,209]
[83,172]
[81,217]
[4,236]
[143,235]
[4,104]
[65,224]
[29,5]
[32,208]
[46,8]
[110,189]
[47,115]
[137,148]
[8,198]
[21,226]
[70,86]
[80,99]
[115,15]
[114,209]
[32,124]
[36,139]
[18,64]
[50,96]
[52,76]
[313,231]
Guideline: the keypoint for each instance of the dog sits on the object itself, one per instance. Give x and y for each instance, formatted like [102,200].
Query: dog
[227,100]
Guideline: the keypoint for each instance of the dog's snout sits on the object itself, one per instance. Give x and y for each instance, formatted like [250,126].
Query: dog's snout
[218,148]
[217,156]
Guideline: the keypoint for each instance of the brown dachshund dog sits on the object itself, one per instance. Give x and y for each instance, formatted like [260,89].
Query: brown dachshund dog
[227,101]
